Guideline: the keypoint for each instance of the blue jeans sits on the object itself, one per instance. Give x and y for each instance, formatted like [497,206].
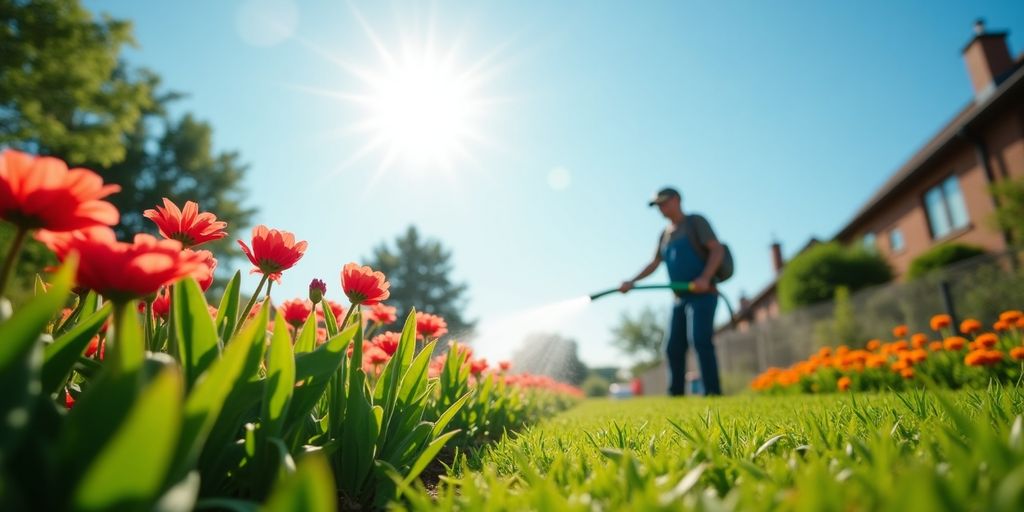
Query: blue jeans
[693,318]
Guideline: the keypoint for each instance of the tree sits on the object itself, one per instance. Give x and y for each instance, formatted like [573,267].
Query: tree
[640,336]
[1009,215]
[63,89]
[813,275]
[941,256]
[550,354]
[419,272]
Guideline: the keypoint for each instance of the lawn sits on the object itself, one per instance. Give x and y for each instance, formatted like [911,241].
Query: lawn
[916,450]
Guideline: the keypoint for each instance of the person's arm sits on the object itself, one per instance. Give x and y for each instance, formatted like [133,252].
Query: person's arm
[648,270]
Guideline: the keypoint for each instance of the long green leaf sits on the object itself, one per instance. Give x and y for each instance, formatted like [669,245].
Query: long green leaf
[128,474]
[280,380]
[227,311]
[313,370]
[307,337]
[309,488]
[193,330]
[61,355]
[446,417]
[428,455]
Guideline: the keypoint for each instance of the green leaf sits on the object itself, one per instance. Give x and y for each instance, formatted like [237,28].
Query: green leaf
[62,354]
[306,341]
[446,417]
[193,330]
[311,487]
[428,455]
[227,311]
[21,356]
[313,370]
[126,345]
[128,474]
[330,321]
[205,401]
[279,382]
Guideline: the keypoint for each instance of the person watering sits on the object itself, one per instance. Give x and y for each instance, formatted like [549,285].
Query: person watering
[692,253]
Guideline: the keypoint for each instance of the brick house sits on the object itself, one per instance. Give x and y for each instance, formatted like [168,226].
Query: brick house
[942,193]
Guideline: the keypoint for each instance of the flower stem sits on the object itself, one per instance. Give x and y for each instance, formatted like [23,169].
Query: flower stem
[347,314]
[12,257]
[269,286]
[248,307]
[149,326]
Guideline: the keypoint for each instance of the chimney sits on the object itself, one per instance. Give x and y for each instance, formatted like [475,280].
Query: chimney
[777,261]
[988,59]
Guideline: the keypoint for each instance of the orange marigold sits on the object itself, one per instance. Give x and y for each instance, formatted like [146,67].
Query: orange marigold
[843,383]
[1000,326]
[874,345]
[907,373]
[987,340]
[919,340]
[1017,353]
[955,343]
[970,326]
[900,331]
[1011,316]
[940,322]
[935,346]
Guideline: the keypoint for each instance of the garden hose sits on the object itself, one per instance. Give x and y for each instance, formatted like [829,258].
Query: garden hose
[682,286]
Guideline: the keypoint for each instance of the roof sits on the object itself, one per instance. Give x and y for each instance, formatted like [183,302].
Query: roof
[950,133]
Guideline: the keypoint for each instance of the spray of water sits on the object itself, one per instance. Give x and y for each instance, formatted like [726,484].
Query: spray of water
[499,337]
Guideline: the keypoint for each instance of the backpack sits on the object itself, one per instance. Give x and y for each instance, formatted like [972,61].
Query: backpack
[725,269]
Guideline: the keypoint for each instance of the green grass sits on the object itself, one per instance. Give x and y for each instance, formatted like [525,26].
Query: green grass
[916,450]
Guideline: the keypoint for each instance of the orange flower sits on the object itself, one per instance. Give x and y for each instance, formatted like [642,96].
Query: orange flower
[40,192]
[296,311]
[899,331]
[983,357]
[273,251]
[121,271]
[430,326]
[1020,323]
[1000,326]
[940,322]
[387,341]
[1011,317]
[843,383]
[187,226]
[970,326]
[954,343]
[363,285]
[935,346]
[382,314]
[1017,353]
[907,373]
[987,340]
[874,345]
[919,340]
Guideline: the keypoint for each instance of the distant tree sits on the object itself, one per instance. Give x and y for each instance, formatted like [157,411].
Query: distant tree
[941,256]
[419,271]
[595,385]
[550,354]
[1009,215]
[842,328]
[813,275]
[63,88]
[640,336]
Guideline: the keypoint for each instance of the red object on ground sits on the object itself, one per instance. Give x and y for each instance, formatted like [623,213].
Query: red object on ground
[636,386]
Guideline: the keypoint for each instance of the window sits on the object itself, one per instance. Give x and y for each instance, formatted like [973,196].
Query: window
[869,241]
[895,240]
[945,207]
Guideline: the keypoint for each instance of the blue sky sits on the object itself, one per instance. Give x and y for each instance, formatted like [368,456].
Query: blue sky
[775,119]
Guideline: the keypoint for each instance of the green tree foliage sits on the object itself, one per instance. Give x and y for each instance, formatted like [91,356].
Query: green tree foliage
[813,275]
[640,336]
[420,274]
[1009,215]
[941,256]
[842,328]
[63,89]
[595,385]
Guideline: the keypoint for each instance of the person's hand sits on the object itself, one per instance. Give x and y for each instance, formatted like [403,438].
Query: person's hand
[626,286]
[701,285]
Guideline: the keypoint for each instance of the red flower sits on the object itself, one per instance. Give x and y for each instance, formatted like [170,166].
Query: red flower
[317,290]
[187,226]
[123,271]
[161,305]
[504,365]
[204,273]
[478,366]
[363,285]
[387,341]
[296,311]
[40,192]
[60,242]
[69,401]
[273,251]
[93,346]
[430,326]
[382,314]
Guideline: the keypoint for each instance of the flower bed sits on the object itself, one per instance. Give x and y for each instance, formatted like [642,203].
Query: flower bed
[125,389]
[966,357]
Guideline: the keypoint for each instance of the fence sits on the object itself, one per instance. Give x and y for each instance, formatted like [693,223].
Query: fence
[977,288]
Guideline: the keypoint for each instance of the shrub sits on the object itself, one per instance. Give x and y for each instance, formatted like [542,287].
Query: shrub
[814,275]
[941,256]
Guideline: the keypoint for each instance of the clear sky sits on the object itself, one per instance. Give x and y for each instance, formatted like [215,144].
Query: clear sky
[774,119]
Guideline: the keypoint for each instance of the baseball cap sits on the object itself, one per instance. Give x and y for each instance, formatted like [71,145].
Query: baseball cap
[664,195]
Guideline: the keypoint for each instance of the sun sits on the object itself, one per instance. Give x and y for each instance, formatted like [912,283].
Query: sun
[421,110]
